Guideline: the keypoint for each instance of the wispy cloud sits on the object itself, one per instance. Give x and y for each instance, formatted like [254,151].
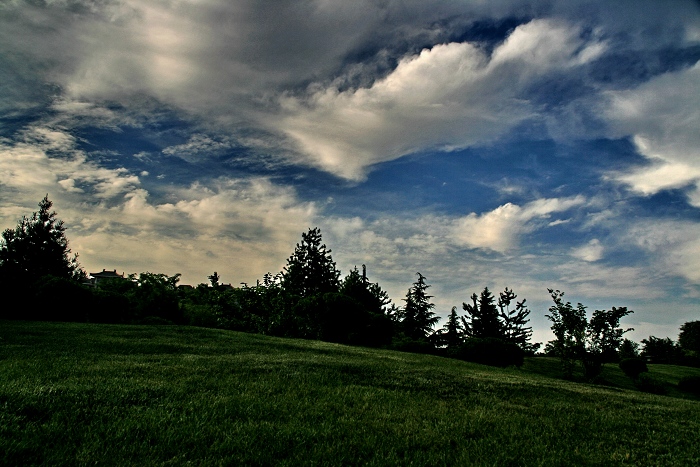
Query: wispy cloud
[663,115]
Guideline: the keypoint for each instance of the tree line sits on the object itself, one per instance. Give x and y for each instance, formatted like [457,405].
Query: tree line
[42,280]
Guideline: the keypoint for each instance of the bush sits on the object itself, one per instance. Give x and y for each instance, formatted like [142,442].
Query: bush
[403,343]
[647,383]
[489,351]
[690,384]
[633,367]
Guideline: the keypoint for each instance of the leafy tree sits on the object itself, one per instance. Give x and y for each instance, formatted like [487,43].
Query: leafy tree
[604,333]
[214,280]
[569,327]
[628,349]
[482,318]
[592,343]
[311,269]
[689,338]
[38,247]
[417,316]
[658,350]
[155,296]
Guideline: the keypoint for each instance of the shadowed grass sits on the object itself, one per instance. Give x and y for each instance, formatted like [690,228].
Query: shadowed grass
[75,394]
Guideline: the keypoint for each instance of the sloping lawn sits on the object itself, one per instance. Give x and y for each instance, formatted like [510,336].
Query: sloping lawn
[77,394]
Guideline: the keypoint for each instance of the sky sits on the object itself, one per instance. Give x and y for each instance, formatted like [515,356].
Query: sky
[522,144]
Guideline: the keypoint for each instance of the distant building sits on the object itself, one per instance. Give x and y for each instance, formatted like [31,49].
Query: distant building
[97,277]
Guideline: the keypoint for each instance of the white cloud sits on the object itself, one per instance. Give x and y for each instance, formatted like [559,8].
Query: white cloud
[663,116]
[673,246]
[447,97]
[241,228]
[500,229]
[591,252]
[198,147]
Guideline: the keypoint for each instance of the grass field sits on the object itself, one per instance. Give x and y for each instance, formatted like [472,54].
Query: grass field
[77,394]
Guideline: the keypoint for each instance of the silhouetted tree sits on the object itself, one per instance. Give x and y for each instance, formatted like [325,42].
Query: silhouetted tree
[155,297]
[658,350]
[592,343]
[33,253]
[514,329]
[569,328]
[376,327]
[38,247]
[482,320]
[604,335]
[311,269]
[628,349]
[689,338]
[451,335]
[417,316]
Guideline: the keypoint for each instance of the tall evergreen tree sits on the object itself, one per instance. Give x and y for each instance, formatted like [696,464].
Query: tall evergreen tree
[369,294]
[417,316]
[310,270]
[482,318]
[452,333]
[514,321]
[38,247]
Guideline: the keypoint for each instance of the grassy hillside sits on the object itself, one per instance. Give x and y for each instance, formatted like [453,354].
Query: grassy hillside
[75,394]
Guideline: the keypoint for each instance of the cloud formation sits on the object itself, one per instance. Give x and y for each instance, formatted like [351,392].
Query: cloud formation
[528,144]
[663,116]
[112,221]
[447,97]
[499,229]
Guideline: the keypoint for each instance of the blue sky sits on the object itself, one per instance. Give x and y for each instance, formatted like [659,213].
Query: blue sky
[531,145]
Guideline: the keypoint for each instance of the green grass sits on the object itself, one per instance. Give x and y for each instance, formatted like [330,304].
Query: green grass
[76,394]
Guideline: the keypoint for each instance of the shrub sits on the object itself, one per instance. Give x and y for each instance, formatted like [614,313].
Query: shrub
[403,343]
[489,351]
[633,367]
[647,383]
[690,384]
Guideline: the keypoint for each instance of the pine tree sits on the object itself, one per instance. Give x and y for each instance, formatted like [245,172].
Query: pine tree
[514,321]
[369,294]
[482,318]
[418,318]
[38,247]
[452,333]
[310,270]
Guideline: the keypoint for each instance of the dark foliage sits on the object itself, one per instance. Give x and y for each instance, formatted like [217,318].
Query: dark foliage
[489,351]
[689,338]
[417,316]
[690,384]
[647,383]
[593,342]
[451,335]
[310,270]
[628,349]
[38,247]
[633,367]
[658,350]
[482,318]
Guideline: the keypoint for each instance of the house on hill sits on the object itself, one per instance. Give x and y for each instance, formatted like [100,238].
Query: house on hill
[97,277]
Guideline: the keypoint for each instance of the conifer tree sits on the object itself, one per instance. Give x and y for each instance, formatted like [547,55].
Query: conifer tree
[417,316]
[452,333]
[310,270]
[482,318]
[38,247]
[515,320]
